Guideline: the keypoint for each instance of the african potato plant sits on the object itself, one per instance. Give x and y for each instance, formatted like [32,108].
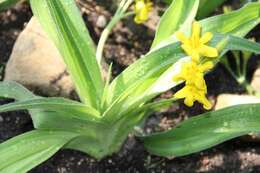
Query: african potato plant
[183,50]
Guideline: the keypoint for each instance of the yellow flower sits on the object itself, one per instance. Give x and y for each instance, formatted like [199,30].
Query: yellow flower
[195,86]
[142,9]
[195,46]
[193,74]
[191,93]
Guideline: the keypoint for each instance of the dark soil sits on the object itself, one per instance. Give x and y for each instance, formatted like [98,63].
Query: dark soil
[125,44]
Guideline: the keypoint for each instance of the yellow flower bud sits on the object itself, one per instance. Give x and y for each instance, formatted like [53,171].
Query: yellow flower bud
[142,9]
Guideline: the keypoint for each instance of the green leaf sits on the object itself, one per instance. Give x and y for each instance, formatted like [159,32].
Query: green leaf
[145,110]
[182,11]
[59,105]
[63,23]
[22,153]
[237,43]
[207,7]
[153,63]
[237,23]
[4,4]
[205,131]
[164,103]
[13,90]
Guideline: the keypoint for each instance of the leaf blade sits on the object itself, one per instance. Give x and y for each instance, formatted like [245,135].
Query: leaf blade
[237,23]
[205,131]
[207,7]
[59,105]
[64,25]
[183,12]
[34,147]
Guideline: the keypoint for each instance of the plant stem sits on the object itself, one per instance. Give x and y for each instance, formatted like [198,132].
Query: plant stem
[104,37]
[244,71]
[249,89]
[120,13]
[231,72]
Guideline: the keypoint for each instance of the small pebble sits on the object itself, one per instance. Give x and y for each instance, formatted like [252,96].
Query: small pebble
[101,21]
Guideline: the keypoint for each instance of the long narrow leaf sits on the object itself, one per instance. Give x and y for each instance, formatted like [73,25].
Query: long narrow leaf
[179,14]
[22,153]
[62,21]
[207,7]
[237,23]
[13,90]
[58,105]
[205,131]
[151,64]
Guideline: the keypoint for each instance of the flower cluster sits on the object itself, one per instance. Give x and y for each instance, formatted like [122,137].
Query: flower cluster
[142,9]
[193,72]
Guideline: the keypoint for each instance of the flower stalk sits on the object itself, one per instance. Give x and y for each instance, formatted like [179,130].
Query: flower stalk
[193,72]
[120,14]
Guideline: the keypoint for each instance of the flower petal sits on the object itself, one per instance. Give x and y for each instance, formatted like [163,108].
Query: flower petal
[188,49]
[206,103]
[206,37]
[178,78]
[181,37]
[184,92]
[206,66]
[208,51]
[142,9]
[200,82]
[189,101]
[195,56]
[196,30]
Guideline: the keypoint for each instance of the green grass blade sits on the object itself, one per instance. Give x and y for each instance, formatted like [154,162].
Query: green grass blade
[63,23]
[179,14]
[22,153]
[205,131]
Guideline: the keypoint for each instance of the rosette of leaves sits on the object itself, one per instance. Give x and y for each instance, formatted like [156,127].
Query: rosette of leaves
[108,110]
